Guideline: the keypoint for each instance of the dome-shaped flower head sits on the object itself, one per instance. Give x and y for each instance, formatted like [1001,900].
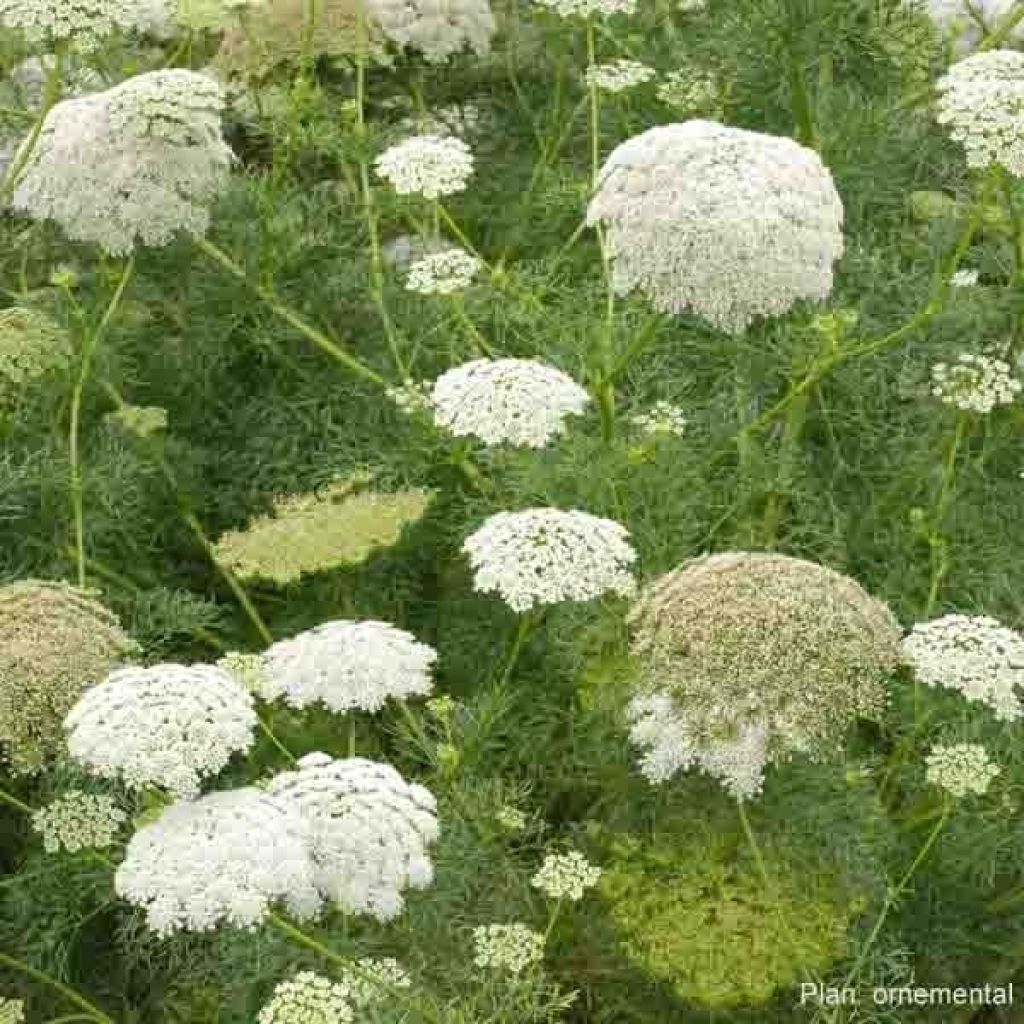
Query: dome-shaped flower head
[746,658]
[725,223]
[438,29]
[32,345]
[518,401]
[166,725]
[370,830]
[136,163]
[543,556]
[975,383]
[55,641]
[427,165]
[974,655]
[981,102]
[348,665]
[442,273]
[308,998]
[82,22]
[225,858]
[960,768]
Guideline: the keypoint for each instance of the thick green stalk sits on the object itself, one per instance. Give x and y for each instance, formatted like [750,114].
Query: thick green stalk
[92,1011]
[89,346]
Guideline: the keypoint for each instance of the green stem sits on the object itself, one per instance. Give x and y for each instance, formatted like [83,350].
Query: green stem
[313,334]
[272,736]
[89,346]
[350,965]
[890,901]
[93,1012]
[796,417]
[352,733]
[18,805]
[528,622]
[803,113]
[937,541]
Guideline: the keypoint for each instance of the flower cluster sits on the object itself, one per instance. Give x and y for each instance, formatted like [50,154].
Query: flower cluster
[369,830]
[373,979]
[589,8]
[618,75]
[516,401]
[166,725]
[981,101]
[78,821]
[511,818]
[566,876]
[436,28]
[427,165]
[975,383]
[142,422]
[443,273]
[84,22]
[224,858]
[315,532]
[662,418]
[746,658]
[32,345]
[55,641]
[726,223]
[973,655]
[960,768]
[964,278]
[410,397]
[689,90]
[12,1011]
[308,998]
[544,556]
[137,162]
[348,665]
[507,947]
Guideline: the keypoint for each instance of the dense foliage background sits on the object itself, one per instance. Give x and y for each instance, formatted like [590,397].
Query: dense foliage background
[860,483]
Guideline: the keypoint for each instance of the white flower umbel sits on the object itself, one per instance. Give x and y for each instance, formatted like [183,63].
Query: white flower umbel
[438,29]
[670,744]
[427,165]
[370,830]
[223,859]
[388,973]
[308,998]
[690,90]
[981,102]
[661,418]
[12,1011]
[514,401]
[78,821]
[972,654]
[618,75]
[725,223]
[443,273]
[960,768]
[84,23]
[975,383]
[411,397]
[136,163]
[166,725]
[543,556]
[507,947]
[566,876]
[589,8]
[347,666]
[964,279]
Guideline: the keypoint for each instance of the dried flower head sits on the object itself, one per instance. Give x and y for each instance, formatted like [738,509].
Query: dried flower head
[618,75]
[55,641]
[427,165]
[981,101]
[136,163]
[566,876]
[438,29]
[960,768]
[78,821]
[443,273]
[348,665]
[589,8]
[32,345]
[514,401]
[746,658]
[166,725]
[723,222]
[662,418]
[507,947]
[224,858]
[330,527]
[308,998]
[370,830]
[975,383]
[972,654]
[544,556]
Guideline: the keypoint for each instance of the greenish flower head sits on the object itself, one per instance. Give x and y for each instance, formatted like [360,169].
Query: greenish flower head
[32,345]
